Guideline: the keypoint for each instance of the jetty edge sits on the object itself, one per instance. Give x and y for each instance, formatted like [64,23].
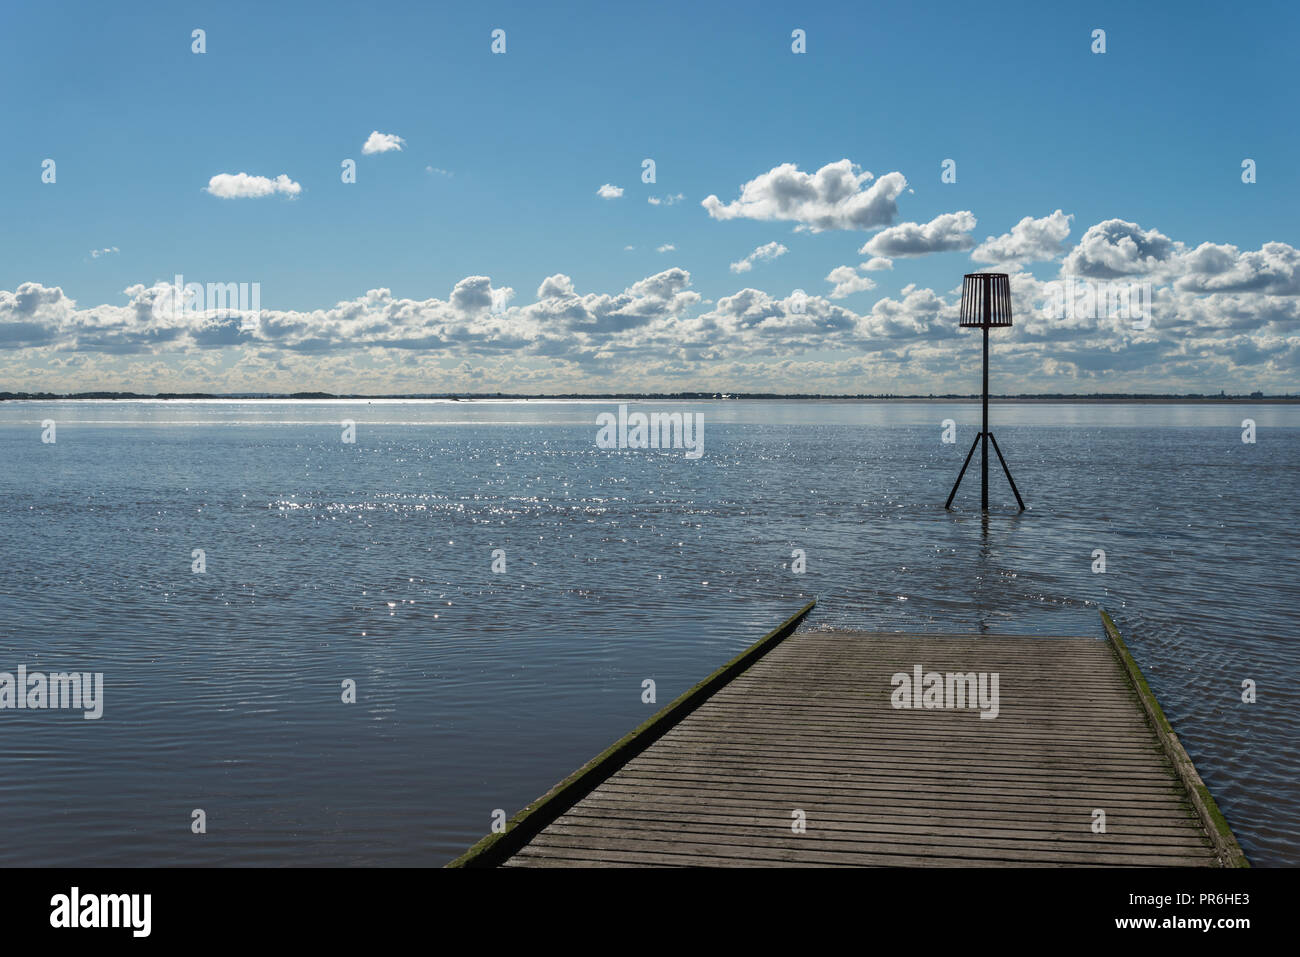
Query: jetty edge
[494,849]
[640,757]
[1215,824]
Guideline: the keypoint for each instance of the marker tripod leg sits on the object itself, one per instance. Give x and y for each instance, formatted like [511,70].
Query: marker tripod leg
[948,504]
[1016,491]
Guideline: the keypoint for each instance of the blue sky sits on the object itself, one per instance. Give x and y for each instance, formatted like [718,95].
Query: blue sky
[1152,132]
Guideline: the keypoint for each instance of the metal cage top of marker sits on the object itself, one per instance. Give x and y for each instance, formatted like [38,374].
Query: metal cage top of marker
[986,299]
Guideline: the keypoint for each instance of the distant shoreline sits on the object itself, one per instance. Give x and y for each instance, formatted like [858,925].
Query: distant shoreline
[1190,398]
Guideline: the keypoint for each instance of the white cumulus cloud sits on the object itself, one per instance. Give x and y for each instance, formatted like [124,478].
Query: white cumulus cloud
[1273,269]
[609,191]
[847,282]
[244,186]
[1030,240]
[944,233]
[1116,248]
[837,196]
[761,254]
[378,142]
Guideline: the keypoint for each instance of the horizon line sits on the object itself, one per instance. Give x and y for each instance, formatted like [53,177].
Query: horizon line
[1255,396]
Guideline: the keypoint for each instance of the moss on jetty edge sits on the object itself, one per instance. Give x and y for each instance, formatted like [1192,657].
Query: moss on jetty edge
[1216,825]
[493,849]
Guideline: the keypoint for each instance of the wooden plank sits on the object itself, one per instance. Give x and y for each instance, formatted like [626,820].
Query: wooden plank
[942,843]
[886,820]
[864,804]
[624,819]
[808,727]
[805,854]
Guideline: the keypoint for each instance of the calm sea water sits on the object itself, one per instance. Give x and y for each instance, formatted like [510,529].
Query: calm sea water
[372,561]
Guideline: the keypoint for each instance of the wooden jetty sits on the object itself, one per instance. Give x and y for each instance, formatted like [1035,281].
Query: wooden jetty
[807,750]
